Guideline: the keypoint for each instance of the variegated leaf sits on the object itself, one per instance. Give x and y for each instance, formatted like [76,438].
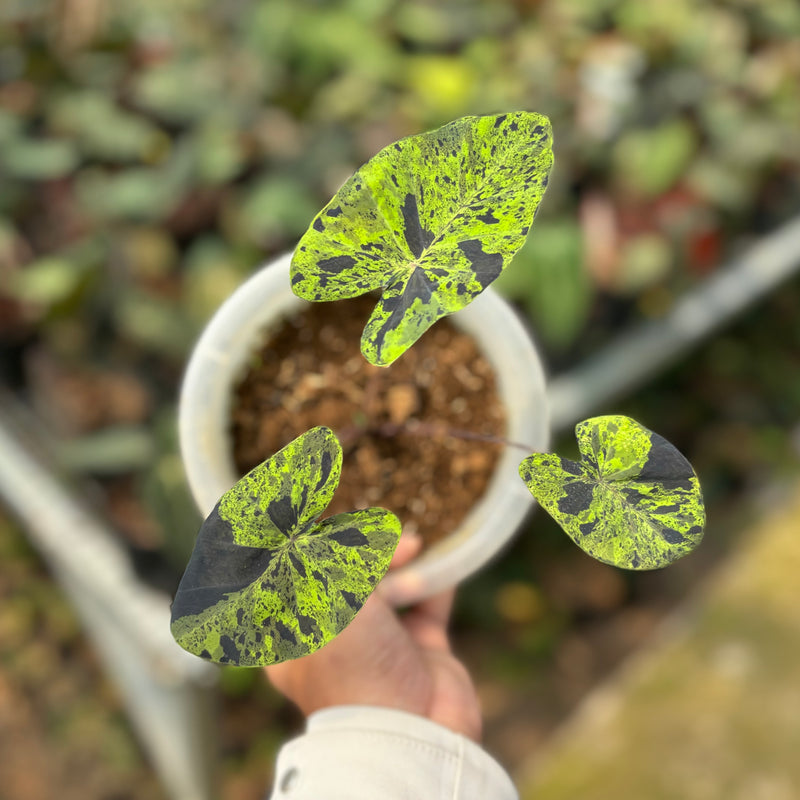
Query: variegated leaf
[432,220]
[632,501]
[267,581]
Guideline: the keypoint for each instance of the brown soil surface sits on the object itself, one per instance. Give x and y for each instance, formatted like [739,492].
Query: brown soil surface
[391,420]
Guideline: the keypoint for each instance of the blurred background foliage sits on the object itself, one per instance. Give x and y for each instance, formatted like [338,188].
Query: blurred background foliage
[153,154]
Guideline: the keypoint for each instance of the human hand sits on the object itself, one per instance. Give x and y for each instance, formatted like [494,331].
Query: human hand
[383,659]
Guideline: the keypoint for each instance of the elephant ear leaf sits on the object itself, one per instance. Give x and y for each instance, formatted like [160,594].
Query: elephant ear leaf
[267,580]
[632,500]
[432,220]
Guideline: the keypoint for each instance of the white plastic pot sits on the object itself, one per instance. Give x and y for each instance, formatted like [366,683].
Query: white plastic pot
[237,329]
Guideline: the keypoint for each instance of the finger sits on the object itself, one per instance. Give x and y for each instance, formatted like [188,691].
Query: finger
[407,548]
[427,622]
[436,610]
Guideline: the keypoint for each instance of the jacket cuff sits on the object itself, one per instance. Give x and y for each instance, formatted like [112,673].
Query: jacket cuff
[355,752]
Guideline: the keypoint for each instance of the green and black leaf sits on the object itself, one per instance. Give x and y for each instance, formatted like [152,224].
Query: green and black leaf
[267,580]
[432,220]
[632,500]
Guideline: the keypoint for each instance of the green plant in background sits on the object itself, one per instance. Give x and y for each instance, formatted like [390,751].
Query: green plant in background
[434,218]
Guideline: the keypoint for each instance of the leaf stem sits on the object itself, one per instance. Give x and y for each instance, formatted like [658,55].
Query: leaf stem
[417,428]
[350,435]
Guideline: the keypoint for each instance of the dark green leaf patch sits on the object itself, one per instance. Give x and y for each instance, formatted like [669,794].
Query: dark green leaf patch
[268,581]
[432,219]
[632,501]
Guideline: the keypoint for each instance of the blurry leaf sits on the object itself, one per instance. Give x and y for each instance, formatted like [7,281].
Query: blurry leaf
[721,116]
[580,14]
[207,288]
[11,249]
[778,18]
[327,38]
[109,451]
[208,283]
[646,259]
[209,250]
[425,23]
[310,42]
[652,160]
[98,69]
[154,324]
[10,125]
[219,152]
[141,193]
[276,207]
[38,159]
[13,194]
[441,83]
[758,142]
[180,90]
[651,21]
[278,134]
[727,186]
[346,96]
[48,281]
[448,22]
[718,43]
[740,134]
[101,128]
[548,277]
[368,10]
[519,602]
[148,252]
[272,24]
[12,60]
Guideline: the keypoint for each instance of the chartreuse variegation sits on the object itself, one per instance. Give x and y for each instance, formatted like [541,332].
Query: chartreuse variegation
[268,580]
[431,220]
[632,500]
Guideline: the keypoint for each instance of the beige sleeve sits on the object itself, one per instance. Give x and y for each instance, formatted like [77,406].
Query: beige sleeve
[364,752]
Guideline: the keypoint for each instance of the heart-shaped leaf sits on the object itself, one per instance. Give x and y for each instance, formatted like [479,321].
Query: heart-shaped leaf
[632,501]
[267,581]
[432,219]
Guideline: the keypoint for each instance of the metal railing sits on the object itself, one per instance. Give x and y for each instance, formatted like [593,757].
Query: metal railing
[643,351]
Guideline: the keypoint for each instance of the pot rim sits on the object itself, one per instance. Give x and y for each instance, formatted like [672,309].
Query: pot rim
[241,322]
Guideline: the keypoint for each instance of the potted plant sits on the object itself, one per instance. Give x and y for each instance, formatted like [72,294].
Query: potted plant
[236,330]
[430,222]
